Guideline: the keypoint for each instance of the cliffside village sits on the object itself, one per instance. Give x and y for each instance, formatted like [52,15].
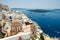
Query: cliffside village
[12,23]
[15,22]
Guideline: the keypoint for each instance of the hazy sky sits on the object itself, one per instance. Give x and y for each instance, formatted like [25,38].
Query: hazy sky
[37,4]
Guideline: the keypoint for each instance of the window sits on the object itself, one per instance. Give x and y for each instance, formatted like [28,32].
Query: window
[0,10]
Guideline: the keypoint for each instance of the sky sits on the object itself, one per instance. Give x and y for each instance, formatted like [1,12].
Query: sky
[32,4]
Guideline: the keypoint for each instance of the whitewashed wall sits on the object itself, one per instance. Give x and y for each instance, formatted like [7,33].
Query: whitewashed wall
[15,37]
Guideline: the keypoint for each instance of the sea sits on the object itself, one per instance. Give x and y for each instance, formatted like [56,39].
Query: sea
[48,21]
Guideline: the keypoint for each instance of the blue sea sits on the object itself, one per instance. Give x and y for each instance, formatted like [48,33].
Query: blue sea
[48,21]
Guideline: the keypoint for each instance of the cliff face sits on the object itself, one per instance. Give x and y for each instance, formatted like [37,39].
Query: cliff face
[4,7]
